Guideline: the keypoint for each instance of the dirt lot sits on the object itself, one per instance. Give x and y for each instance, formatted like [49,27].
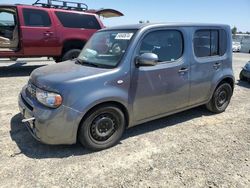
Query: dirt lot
[190,149]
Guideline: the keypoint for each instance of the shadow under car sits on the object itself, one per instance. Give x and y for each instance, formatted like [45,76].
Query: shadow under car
[34,149]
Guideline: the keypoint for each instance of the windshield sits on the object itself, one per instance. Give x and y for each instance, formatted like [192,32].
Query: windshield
[106,48]
[236,43]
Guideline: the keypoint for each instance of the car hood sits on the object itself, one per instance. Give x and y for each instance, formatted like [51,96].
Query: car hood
[236,45]
[52,76]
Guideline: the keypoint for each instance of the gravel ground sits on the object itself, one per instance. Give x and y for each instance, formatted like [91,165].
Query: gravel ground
[190,149]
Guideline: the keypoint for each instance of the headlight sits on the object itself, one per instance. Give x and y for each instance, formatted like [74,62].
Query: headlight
[49,99]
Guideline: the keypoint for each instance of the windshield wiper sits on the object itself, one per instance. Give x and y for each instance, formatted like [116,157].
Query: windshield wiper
[82,62]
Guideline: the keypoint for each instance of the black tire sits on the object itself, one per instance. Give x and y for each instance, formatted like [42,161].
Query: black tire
[13,58]
[71,54]
[220,99]
[242,78]
[57,59]
[102,127]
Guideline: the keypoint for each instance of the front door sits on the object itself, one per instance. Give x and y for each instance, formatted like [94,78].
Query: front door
[164,87]
[38,33]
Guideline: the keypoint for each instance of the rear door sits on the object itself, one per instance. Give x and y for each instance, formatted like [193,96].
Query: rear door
[38,33]
[209,46]
[7,22]
[9,34]
[164,87]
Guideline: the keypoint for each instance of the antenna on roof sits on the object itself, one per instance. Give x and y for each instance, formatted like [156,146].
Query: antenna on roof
[68,5]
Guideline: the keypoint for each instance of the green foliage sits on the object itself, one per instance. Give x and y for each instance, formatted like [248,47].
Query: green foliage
[143,21]
[234,30]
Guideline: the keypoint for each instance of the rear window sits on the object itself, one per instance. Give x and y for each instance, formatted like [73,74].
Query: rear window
[36,18]
[74,20]
[210,43]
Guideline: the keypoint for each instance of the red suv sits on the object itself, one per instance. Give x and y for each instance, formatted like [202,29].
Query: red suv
[58,31]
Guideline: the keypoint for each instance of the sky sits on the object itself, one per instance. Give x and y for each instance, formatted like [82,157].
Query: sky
[231,12]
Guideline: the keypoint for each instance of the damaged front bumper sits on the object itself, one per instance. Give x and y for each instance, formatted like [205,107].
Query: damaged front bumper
[50,126]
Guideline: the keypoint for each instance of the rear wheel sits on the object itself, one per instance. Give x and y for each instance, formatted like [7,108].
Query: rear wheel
[102,128]
[71,54]
[13,58]
[57,59]
[220,99]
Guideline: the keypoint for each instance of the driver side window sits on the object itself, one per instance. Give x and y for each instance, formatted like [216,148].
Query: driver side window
[167,44]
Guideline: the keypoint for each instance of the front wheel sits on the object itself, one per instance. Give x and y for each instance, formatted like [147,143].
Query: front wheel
[102,128]
[220,99]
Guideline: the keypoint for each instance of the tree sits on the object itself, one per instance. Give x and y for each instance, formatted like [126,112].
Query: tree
[248,32]
[234,30]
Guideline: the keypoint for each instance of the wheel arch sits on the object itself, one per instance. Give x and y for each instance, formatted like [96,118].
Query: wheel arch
[72,44]
[114,103]
[225,79]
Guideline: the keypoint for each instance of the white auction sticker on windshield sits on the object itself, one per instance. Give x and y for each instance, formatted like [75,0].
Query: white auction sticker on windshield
[124,36]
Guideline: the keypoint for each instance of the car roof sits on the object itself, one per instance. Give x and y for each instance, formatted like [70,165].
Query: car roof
[167,24]
[48,8]
[7,5]
[104,12]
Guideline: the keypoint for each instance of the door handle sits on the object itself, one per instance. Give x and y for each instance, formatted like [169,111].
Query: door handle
[216,65]
[183,70]
[47,33]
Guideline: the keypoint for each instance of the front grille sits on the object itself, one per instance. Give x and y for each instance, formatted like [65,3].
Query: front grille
[31,90]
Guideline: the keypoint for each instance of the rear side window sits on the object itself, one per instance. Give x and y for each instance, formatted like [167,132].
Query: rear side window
[223,42]
[214,37]
[74,20]
[36,18]
[209,43]
[167,44]
[202,43]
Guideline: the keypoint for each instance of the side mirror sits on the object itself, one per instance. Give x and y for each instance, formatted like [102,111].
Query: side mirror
[147,59]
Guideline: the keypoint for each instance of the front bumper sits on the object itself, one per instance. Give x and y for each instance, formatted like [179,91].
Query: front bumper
[50,126]
[236,49]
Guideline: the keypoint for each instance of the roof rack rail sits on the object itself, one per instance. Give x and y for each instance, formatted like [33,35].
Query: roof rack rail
[67,5]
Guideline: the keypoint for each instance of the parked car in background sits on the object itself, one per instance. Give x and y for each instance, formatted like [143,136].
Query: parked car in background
[244,40]
[128,75]
[58,31]
[245,45]
[245,72]
[236,46]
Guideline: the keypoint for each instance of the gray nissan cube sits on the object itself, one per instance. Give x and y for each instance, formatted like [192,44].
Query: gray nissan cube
[129,75]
